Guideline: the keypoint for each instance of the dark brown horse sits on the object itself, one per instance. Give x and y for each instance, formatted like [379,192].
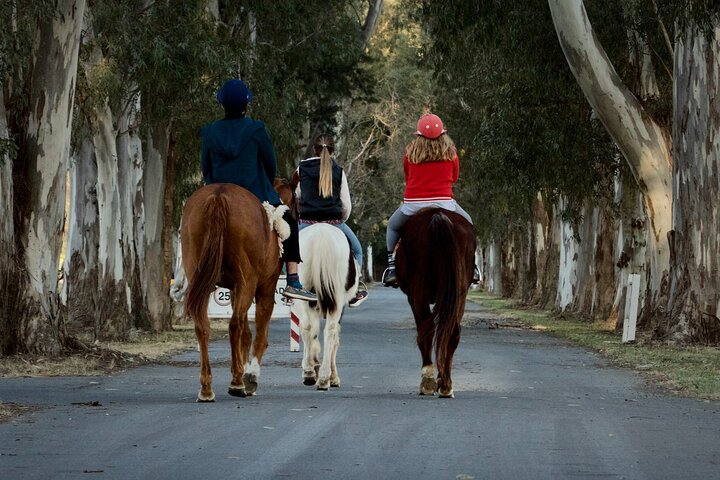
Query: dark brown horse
[434,264]
[227,241]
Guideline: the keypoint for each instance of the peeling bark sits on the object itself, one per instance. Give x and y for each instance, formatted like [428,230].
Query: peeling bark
[12,301]
[157,278]
[81,278]
[43,159]
[546,252]
[132,214]
[694,298]
[567,272]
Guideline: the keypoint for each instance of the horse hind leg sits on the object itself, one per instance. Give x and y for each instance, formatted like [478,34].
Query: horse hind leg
[309,330]
[334,376]
[263,312]
[425,333]
[331,341]
[240,338]
[445,389]
[202,331]
[428,385]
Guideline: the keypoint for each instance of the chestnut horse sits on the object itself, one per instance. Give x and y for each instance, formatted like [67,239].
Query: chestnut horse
[434,265]
[227,241]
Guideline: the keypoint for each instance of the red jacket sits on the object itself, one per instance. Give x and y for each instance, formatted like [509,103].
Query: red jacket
[428,181]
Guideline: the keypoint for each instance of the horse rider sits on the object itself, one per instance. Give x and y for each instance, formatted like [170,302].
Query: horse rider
[431,166]
[237,149]
[324,197]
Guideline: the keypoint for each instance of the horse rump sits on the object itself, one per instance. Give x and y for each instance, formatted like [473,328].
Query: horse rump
[434,266]
[203,226]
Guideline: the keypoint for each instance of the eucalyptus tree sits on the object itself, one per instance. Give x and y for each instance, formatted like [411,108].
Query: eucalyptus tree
[39,47]
[678,178]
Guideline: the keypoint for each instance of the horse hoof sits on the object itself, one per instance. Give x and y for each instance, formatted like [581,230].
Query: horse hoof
[449,394]
[309,381]
[428,386]
[205,398]
[335,384]
[251,383]
[237,391]
[323,384]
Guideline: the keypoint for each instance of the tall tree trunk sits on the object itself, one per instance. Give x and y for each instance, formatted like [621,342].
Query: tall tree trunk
[643,143]
[169,233]
[112,319]
[595,266]
[568,268]
[12,301]
[546,253]
[695,245]
[156,284]
[494,268]
[80,270]
[132,211]
[42,165]
[371,18]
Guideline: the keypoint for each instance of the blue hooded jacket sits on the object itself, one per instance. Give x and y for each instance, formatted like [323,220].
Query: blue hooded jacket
[239,151]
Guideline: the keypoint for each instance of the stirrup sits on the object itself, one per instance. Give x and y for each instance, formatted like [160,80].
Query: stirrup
[389,279]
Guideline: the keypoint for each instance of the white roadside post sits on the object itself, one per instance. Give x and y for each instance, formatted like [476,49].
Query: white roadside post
[369,263]
[631,308]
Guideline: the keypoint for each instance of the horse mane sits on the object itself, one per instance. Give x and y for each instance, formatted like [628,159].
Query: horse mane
[286,192]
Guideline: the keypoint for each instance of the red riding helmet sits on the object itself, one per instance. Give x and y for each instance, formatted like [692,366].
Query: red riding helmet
[430,126]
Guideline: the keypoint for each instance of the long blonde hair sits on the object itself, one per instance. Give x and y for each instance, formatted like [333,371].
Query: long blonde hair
[324,146]
[421,150]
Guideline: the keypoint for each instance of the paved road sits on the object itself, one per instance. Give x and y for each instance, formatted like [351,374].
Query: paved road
[526,406]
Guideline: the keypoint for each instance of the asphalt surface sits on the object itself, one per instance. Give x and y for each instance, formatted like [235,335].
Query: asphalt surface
[526,406]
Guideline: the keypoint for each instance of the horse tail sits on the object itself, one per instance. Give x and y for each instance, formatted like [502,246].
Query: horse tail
[207,275]
[446,266]
[326,263]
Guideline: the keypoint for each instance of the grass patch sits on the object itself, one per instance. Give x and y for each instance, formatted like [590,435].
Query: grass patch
[692,371]
[89,358]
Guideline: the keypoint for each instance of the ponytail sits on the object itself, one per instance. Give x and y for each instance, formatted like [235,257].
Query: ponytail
[325,183]
[324,145]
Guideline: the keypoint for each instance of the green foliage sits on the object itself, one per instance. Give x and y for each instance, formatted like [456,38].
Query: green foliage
[20,21]
[378,124]
[302,67]
[515,111]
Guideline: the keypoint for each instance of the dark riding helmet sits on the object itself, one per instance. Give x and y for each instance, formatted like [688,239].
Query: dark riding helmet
[234,95]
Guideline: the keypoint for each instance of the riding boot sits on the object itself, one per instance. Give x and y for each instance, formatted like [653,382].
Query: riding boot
[389,279]
[360,296]
[295,290]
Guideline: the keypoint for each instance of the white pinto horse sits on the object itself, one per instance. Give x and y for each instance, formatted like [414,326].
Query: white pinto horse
[330,270]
